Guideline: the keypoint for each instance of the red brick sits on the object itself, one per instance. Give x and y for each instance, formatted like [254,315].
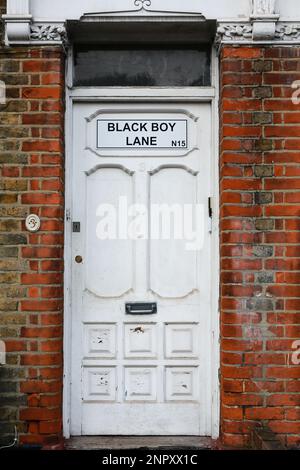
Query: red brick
[41,198]
[50,400]
[15,345]
[235,441]
[51,79]
[241,105]
[257,374]
[51,319]
[282,399]
[37,347]
[10,172]
[250,131]
[40,305]
[36,279]
[35,386]
[242,53]
[241,264]
[281,78]
[52,265]
[31,439]
[264,358]
[43,252]
[42,146]
[285,427]
[232,413]
[41,66]
[52,133]
[237,427]
[49,332]
[41,118]
[240,399]
[50,373]
[264,413]
[41,93]
[39,414]
[51,346]
[279,105]
[241,79]
[40,360]
[51,239]
[41,172]
[293,386]
[241,372]
[50,427]
[259,382]
[280,183]
[292,372]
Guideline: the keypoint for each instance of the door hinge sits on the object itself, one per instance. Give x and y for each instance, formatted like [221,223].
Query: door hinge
[210,209]
[68,215]
[210,213]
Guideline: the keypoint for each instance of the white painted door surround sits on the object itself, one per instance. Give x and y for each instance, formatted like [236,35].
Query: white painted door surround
[243,21]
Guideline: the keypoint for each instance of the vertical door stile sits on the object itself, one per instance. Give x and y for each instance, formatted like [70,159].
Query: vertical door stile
[79,188]
[141,185]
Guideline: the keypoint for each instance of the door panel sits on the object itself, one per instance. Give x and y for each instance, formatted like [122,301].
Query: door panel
[141,374]
[173,269]
[109,264]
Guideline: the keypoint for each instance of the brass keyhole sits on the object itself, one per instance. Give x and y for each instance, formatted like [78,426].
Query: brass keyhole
[78,259]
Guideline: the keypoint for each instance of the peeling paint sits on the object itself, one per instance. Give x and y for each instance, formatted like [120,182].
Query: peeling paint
[138,329]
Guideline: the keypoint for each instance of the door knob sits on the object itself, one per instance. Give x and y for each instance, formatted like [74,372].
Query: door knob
[78,259]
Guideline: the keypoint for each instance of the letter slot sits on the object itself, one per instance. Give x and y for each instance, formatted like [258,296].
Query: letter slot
[141,308]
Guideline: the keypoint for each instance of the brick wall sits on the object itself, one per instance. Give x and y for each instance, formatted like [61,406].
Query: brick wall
[31,266]
[2,11]
[260,238]
[260,254]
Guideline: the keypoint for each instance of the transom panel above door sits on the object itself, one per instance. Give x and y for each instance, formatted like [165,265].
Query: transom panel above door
[141,294]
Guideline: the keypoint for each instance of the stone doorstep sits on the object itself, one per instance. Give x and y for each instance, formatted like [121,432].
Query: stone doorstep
[137,442]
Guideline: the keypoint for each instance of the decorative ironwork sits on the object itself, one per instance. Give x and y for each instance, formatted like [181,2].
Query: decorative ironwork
[142,3]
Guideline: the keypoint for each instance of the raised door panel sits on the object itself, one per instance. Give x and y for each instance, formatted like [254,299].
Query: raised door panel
[109,259]
[173,266]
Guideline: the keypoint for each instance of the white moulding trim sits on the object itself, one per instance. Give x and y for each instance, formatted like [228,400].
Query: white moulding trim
[264,29]
[18,7]
[17,28]
[247,33]
[21,30]
[263,7]
[264,19]
[22,33]
[144,7]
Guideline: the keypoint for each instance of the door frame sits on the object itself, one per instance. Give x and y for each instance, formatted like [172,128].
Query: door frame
[165,95]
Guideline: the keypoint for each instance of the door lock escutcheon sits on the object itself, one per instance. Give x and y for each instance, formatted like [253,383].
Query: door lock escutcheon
[78,259]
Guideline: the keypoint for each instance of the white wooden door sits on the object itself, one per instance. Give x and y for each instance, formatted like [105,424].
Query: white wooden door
[140,374]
